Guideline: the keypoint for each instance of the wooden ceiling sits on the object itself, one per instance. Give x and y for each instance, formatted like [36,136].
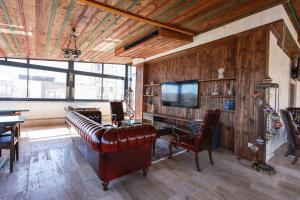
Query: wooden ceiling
[293,9]
[40,28]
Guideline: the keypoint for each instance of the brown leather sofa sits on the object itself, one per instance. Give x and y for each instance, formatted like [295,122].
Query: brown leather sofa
[112,152]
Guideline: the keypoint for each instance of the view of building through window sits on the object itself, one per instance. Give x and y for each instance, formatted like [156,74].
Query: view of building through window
[92,81]
[46,84]
[87,87]
[114,69]
[113,89]
[88,67]
[12,82]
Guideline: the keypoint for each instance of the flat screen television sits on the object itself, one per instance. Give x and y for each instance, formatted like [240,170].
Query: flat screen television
[180,94]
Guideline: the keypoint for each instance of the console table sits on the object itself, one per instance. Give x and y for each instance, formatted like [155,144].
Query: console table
[193,124]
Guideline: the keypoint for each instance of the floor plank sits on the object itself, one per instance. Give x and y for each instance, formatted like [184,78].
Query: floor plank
[51,167]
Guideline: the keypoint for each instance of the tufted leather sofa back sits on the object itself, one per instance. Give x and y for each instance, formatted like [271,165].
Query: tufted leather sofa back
[107,139]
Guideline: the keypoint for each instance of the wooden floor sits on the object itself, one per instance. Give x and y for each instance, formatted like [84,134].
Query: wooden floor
[50,167]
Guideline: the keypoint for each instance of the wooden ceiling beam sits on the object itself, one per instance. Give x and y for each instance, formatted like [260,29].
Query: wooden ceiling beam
[123,13]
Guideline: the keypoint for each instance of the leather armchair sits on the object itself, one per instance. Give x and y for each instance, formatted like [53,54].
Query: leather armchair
[200,141]
[293,134]
[112,152]
[117,112]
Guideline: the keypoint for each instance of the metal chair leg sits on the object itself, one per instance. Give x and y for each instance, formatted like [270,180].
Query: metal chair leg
[17,150]
[11,159]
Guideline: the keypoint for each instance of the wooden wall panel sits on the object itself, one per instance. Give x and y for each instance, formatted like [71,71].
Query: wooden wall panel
[252,64]
[200,63]
[244,56]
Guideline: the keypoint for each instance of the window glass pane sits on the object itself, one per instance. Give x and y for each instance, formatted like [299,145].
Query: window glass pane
[113,89]
[48,63]
[113,69]
[47,84]
[17,60]
[88,67]
[13,82]
[87,87]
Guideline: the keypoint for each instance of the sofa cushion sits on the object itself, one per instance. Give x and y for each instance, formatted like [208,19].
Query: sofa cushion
[117,139]
[108,139]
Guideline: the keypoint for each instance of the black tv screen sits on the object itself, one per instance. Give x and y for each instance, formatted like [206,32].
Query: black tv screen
[180,94]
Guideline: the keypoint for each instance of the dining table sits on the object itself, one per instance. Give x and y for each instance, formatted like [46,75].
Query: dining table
[10,121]
[12,111]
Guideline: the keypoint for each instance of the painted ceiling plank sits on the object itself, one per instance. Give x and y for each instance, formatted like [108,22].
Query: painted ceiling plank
[37,28]
[21,8]
[133,3]
[157,17]
[62,29]
[8,20]
[4,38]
[50,24]
[134,17]
[79,18]
[160,17]
[99,25]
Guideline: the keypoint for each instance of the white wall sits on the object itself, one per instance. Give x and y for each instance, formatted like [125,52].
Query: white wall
[49,109]
[267,16]
[279,71]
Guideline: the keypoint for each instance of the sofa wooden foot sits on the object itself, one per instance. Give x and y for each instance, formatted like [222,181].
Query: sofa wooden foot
[105,185]
[145,171]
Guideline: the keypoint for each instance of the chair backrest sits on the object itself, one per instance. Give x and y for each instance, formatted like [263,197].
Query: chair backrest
[209,125]
[116,108]
[284,116]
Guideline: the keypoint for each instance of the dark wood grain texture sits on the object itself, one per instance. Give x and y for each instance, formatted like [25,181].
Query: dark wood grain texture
[245,59]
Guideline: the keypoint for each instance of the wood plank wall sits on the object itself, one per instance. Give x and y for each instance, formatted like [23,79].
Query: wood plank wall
[244,55]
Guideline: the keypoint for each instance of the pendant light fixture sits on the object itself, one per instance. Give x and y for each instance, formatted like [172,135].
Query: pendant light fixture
[69,53]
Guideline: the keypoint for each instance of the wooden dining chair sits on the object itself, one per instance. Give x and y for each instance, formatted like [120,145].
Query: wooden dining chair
[9,140]
[200,141]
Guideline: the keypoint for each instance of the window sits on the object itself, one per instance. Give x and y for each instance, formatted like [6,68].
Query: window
[113,69]
[17,60]
[13,82]
[88,67]
[49,63]
[113,89]
[87,87]
[23,79]
[46,84]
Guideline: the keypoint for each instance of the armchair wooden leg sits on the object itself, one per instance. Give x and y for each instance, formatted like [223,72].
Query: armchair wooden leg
[296,158]
[145,171]
[197,161]
[288,151]
[170,151]
[105,185]
[210,156]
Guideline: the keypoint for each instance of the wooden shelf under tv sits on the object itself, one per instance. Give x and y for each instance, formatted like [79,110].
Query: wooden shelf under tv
[228,111]
[218,79]
[152,95]
[152,85]
[222,96]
